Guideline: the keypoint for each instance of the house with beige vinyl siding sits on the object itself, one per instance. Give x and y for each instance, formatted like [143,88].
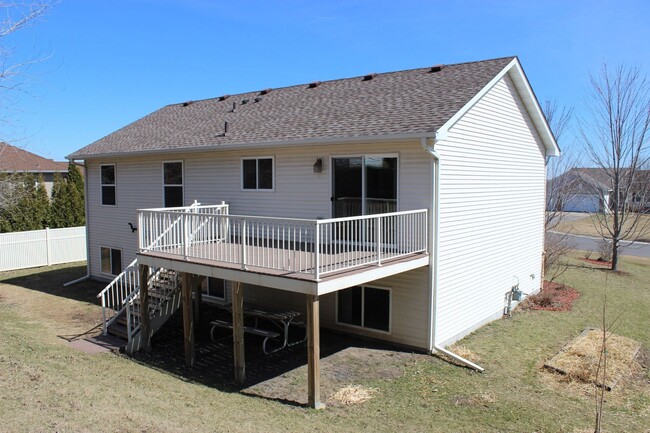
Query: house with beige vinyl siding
[400,206]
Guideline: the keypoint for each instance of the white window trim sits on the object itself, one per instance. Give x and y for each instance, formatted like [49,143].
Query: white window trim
[182,185]
[110,256]
[363,157]
[363,295]
[257,189]
[101,185]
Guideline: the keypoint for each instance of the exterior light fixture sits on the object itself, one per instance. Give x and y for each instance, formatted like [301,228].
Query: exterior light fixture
[318,165]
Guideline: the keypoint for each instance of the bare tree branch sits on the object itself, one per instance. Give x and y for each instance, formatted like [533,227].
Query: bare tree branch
[615,137]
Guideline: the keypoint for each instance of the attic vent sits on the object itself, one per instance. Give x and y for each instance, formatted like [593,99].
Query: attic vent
[265,92]
[258,99]
[225,128]
[245,101]
[369,77]
[185,104]
[224,97]
[436,68]
[234,107]
[314,84]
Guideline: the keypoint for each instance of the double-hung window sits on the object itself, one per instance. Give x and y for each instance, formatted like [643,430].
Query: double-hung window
[108,184]
[111,260]
[257,173]
[173,183]
[364,307]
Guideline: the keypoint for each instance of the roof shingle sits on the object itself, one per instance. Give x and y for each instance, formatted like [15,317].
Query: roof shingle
[405,102]
[15,159]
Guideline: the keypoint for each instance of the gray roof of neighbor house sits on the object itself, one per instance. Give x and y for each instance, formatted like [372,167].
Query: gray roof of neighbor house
[411,102]
[15,159]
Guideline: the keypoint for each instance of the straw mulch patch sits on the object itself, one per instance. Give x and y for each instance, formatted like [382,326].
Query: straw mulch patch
[553,297]
[578,361]
[353,394]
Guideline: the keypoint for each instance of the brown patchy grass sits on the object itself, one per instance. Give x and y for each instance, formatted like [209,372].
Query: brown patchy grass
[47,386]
[587,226]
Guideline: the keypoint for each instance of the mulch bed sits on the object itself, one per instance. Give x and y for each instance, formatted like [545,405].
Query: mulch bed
[553,297]
[597,262]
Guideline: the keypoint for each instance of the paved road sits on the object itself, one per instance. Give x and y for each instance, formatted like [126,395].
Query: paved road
[587,243]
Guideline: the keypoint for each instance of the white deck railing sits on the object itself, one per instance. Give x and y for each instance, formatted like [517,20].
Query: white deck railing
[117,295]
[311,247]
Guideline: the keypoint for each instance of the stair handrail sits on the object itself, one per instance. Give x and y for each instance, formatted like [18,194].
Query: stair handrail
[111,297]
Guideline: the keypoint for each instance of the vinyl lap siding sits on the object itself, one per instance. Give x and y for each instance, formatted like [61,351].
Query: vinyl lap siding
[491,212]
[211,177]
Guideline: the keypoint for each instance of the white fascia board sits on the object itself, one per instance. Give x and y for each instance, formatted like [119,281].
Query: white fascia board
[528,98]
[260,145]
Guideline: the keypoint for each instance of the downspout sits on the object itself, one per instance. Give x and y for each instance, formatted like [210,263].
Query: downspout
[87,276]
[434,254]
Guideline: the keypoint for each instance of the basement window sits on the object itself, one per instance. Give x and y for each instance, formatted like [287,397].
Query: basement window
[173,183]
[108,184]
[214,288]
[257,173]
[364,307]
[111,260]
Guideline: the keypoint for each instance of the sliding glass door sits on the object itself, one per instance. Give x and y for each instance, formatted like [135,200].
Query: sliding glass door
[363,185]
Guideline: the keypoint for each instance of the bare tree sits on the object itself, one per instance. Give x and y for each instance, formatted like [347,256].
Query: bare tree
[16,16]
[558,191]
[615,137]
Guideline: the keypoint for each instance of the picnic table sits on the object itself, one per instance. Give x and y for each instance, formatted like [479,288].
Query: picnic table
[278,318]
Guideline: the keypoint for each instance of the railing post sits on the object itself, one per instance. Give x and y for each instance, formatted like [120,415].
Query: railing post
[243,236]
[378,239]
[186,236]
[317,252]
[104,327]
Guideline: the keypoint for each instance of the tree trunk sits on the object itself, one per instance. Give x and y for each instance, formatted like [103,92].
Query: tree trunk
[615,242]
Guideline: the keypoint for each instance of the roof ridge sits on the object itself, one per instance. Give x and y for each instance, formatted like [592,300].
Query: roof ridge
[322,82]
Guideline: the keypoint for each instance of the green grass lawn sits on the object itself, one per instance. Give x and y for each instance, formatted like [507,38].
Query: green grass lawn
[47,386]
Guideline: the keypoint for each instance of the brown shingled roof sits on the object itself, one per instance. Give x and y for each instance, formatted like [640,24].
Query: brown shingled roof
[15,159]
[415,101]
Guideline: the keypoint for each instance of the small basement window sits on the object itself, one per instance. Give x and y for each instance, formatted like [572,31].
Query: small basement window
[111,260]
[364,307]
[173,183]
[257,173]
[108,184]
[214,288]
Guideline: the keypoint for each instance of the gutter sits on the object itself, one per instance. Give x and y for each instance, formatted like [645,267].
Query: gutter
[87,276]
[258,145]
[434,253]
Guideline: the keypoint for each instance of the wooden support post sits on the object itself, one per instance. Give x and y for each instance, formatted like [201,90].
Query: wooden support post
[198,298]
[238,331]
[313,353]
[145,326]
[188,318]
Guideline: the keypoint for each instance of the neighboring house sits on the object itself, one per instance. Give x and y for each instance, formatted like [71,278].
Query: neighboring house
[401,206]
[16,160]
[589,190]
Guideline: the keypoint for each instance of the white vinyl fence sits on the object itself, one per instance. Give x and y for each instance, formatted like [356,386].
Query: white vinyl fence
[42,247]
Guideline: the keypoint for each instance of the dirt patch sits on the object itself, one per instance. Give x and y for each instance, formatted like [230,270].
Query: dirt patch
[358,365]
[580,360]
[553,297]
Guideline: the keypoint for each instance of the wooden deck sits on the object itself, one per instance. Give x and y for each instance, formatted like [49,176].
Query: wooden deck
[198,260]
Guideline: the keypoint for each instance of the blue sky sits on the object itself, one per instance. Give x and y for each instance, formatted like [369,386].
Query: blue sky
[112,62]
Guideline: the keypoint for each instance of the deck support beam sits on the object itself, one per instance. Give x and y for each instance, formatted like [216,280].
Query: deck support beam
[188,318]
[198,298]
[145,326]
[238,331]
[313,353]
